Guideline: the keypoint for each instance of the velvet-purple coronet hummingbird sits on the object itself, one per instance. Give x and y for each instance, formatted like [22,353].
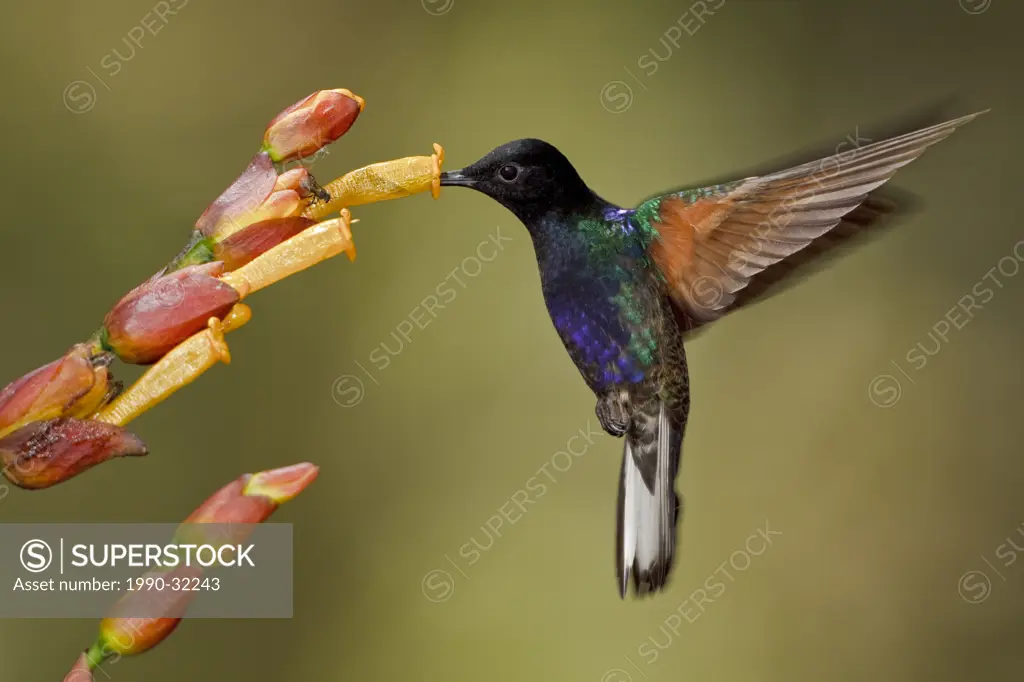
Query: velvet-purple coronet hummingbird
[625,287]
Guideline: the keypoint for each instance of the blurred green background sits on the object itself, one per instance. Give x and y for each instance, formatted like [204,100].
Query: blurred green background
[881,510]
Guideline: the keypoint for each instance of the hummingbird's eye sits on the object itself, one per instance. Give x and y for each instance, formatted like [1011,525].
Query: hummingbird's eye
[509,172]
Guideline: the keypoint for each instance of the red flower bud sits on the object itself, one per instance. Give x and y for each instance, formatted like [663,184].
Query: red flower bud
[46,453]
[252,241]
[161,313]
[75,385]
[311,124]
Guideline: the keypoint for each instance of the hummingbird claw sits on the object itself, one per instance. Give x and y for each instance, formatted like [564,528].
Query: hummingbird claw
[613,412]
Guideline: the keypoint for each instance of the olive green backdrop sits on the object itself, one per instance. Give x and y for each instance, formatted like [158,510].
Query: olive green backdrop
[876,513]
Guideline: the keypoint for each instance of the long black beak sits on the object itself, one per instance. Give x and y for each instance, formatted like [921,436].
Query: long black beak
[456,178]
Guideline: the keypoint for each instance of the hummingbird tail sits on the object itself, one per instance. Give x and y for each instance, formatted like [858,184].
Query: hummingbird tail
[648,505]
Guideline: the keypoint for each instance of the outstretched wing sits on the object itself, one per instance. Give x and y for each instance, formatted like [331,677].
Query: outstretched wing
[720,247]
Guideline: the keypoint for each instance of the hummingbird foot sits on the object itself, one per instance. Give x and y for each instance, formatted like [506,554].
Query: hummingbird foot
[612,411]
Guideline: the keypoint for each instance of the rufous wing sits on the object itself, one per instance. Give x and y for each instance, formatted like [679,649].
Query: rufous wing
[720,247]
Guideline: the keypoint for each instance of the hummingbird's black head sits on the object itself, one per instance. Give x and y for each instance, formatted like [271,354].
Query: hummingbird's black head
[529,177]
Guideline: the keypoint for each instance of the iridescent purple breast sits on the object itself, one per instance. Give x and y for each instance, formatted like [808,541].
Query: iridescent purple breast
[597,341]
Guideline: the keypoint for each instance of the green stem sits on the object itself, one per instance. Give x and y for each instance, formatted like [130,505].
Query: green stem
[97,654]
[198,251]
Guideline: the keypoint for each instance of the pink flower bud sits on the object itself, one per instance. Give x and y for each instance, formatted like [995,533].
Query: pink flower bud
[242,198]
[257,196]
[307,126]
[75,385]
[296,179]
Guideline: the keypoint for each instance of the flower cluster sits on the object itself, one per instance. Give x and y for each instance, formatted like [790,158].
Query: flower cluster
[271,222]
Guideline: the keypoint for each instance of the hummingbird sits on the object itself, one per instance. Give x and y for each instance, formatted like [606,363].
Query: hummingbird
[625,287]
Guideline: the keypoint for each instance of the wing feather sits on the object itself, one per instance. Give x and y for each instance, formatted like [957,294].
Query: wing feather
[714,245]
